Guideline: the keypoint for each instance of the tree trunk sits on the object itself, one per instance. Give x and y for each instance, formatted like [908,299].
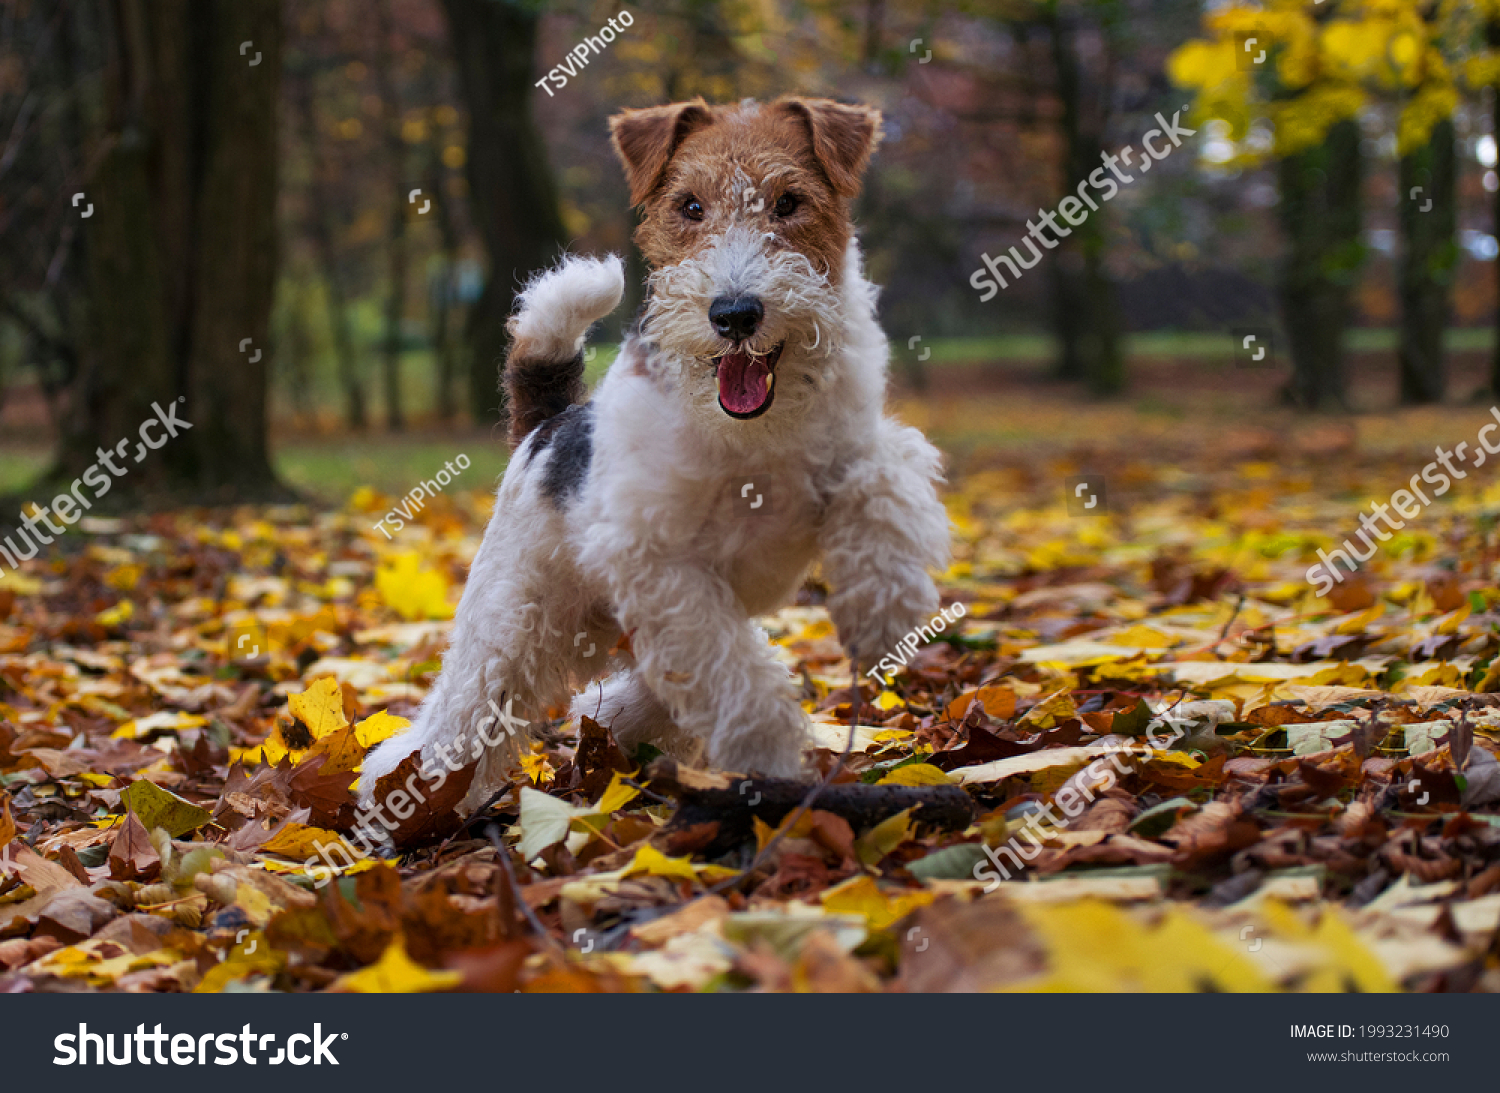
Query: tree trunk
[1320,213]
[322,208]
[396,245]
[1492,39]
[510,183]
[1429,259]
[1085,315]
[182,250]
[442,293]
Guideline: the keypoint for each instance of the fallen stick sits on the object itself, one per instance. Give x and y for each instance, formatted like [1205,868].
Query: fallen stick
[733,803]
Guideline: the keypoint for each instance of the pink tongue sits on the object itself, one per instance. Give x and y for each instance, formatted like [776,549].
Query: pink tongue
[744,382]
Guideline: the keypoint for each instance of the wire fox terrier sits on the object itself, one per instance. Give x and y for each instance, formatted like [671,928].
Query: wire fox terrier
[737,438]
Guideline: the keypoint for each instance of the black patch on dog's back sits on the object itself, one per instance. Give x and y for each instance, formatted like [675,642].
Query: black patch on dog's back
[568,440]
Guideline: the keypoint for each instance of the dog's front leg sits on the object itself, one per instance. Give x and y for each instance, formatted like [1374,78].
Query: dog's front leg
[884,530]
[699,653]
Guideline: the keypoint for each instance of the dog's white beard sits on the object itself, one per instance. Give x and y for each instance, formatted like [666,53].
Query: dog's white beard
[802,309]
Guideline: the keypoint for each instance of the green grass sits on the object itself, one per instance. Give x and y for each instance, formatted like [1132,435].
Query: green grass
[330,470]
[333,469]
[21,466]
[1212,347]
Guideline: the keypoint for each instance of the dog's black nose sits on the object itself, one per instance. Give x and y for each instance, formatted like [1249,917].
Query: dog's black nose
[736,318]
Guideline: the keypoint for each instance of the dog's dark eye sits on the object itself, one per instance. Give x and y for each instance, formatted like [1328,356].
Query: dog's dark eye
[692,208]
[786,205]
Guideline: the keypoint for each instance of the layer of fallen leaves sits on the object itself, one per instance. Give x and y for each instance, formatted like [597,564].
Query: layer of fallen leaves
[185,701]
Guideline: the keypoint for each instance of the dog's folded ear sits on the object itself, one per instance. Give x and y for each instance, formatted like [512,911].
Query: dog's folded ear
[843,137]
[645,140]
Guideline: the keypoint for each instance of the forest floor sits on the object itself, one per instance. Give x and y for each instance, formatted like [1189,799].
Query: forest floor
[1199,774]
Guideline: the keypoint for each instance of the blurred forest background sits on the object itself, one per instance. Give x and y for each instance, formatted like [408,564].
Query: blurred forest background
[307,218]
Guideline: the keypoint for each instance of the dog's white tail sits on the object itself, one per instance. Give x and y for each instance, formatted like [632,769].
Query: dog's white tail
[544,369]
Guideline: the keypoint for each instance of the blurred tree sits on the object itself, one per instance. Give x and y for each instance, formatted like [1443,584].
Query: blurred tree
[397,262]
[321,214]
[1429,260]
[1309,73]
[45,106]
[513,199]
[1482,73]
[1086,315]
[1405,42]
[181,254]
[1081,63]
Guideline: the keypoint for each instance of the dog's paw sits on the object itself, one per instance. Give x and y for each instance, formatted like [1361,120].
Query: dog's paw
[555,310]
[767,740]
[875,627]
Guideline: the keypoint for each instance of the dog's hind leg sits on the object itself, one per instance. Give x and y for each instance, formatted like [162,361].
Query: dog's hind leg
[508,661]
[625,706]
[517,647]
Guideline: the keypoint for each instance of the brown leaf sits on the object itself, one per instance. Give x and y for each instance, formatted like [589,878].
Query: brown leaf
[430,815]
[131,855]
[598,757]
[495,970]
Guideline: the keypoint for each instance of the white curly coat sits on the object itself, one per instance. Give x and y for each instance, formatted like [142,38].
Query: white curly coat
[660,540]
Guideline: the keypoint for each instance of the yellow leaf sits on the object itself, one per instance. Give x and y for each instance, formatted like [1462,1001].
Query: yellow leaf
[862,896]
[171,720]
[379,726]
[1143,637]
[650,860]
[123,577]
[396,973]
[536,767]
[341,752]
[764,833]
[156,807]
[320,707]
[1094,946]
[251,955]
[117,615]
[888,700]
[410,590]
[1348,960]
[617,796]
[916,774]
[884,837]
[302,841]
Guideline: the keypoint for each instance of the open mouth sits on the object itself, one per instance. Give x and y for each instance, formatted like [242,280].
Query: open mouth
[747,380]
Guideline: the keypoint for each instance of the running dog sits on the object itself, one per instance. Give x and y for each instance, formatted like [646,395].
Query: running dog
[738,438]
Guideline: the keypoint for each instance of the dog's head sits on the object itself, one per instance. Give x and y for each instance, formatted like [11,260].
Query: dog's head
[745,223]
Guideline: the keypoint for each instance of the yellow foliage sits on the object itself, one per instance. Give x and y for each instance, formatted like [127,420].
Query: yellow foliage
[410,590]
